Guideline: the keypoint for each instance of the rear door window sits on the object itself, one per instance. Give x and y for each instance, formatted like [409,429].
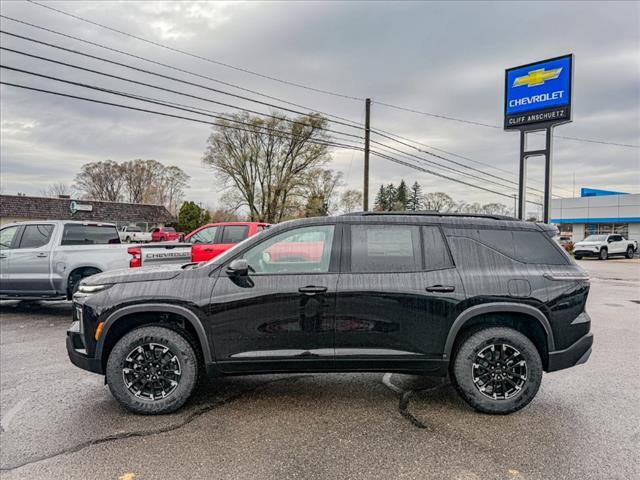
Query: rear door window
[385,248]
[76,234]
[234,233]
[436,254]
[35,236]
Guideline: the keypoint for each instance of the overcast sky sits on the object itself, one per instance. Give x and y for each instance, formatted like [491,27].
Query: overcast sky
[445,58]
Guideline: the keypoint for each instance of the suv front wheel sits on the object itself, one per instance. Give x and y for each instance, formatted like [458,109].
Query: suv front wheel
[152,370]
[497,370]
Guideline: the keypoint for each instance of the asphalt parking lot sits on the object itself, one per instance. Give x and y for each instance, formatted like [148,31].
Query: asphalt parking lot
[61,422]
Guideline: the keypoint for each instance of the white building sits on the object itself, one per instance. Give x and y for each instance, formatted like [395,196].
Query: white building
[598,211]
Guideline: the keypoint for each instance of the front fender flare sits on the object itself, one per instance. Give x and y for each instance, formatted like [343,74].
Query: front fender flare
[184,312]
[496,307]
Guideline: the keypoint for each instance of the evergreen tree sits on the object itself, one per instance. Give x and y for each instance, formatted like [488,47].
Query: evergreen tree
[380,204]
[391,197]
[414,202]
[402,196]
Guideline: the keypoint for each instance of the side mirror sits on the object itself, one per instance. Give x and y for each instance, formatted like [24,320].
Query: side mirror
[238,268]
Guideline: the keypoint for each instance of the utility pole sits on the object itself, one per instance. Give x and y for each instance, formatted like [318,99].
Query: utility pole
[367,120]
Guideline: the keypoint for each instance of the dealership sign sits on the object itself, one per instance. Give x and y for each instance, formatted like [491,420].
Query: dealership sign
[538,93]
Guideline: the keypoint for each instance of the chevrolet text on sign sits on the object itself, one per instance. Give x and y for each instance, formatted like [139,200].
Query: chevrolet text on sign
[538,92]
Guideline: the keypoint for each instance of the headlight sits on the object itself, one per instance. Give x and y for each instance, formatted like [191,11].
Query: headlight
[92,288]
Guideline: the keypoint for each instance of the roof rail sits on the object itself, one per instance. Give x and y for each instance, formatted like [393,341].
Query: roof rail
[430,213]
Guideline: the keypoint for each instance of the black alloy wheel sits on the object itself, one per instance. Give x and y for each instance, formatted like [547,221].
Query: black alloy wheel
[153,369]
[499,371]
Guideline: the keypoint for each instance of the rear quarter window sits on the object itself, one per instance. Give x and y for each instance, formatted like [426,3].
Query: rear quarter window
[75,234]
[523,246]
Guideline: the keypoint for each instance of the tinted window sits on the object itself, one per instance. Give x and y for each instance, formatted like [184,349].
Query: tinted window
[133,229]
[303,250]
[169,229]
[206,235]
[6,236]
[35,236]
[75,234]
[262,227]
[615,238]
[436,254]
[234,233]
[385,248]
[526,247]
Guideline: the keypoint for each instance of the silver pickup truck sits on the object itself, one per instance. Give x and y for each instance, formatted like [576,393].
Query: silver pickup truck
[46,259]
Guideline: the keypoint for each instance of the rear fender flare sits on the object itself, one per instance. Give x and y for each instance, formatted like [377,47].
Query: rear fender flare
[497,307]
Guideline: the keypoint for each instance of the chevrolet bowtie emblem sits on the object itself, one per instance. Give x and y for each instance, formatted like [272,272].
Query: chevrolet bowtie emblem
[537,77]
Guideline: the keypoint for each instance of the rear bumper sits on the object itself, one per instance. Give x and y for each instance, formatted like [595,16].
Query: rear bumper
[77,352]
[576,354]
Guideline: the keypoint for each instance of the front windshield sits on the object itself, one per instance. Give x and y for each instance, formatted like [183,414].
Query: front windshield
[595,238]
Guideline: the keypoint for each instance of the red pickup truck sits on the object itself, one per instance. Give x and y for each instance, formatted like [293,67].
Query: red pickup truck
[164,234]
[212,239]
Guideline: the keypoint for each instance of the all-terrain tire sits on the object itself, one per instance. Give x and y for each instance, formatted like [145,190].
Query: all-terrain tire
[604,254]
[467,354]
[630,252]
[178,344]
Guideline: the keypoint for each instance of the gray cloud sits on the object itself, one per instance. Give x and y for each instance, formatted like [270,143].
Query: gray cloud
[447,58]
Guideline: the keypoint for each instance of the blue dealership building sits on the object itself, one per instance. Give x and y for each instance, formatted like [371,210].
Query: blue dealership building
[598,211]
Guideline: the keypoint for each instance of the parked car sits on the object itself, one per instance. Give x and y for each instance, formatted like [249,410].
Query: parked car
[491,301]
[130,234]
[604,245]
[212,239]
[47,259]
[165,234]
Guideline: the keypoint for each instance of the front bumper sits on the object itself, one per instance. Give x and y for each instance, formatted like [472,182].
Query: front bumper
[78,353]
[576,354]
[586,253]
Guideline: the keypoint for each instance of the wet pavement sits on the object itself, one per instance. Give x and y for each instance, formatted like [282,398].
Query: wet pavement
[60,422]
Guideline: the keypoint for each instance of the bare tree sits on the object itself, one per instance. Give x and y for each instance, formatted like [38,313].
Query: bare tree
[101,181]
[266,168]
[141,178]
[319,192]
[351,201]
[171,187]
[439,201]
[54,190]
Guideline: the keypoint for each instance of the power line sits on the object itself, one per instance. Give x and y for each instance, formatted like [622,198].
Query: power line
[186,108]
[327,143]
[180,117]
[167,77]
[488,125]
[125,79]
[200,57]
[318,90]
[172,67]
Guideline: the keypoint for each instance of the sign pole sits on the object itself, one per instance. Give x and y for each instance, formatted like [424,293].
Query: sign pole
[546,210]
[522,183]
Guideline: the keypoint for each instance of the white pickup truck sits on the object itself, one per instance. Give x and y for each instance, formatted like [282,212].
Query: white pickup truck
[133,234]
[47,259]
[604,245]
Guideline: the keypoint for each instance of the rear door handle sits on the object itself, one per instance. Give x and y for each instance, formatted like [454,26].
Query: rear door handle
[41,255]
[312,290]
[441,288]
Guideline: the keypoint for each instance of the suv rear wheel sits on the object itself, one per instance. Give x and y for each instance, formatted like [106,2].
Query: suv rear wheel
[630,252]
[497,370]
[604,254]
[152,370]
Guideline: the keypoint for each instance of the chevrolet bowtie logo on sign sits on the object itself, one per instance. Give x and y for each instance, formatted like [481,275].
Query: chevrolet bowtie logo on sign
[537,77]
[538,93]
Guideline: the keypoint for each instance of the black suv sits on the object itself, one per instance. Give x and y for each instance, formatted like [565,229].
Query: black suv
[491,301]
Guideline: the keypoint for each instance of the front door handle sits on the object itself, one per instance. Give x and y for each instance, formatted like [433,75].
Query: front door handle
[441,288]
[312,290]
[41,255]
[3,256]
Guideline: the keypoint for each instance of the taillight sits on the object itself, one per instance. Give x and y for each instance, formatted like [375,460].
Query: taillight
[136,257]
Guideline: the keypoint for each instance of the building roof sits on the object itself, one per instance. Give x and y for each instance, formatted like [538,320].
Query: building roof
[43,208]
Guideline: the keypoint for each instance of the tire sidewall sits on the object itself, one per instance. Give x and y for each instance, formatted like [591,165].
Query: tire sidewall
[466,355]
[178,344]
[604,254]
[630,252]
